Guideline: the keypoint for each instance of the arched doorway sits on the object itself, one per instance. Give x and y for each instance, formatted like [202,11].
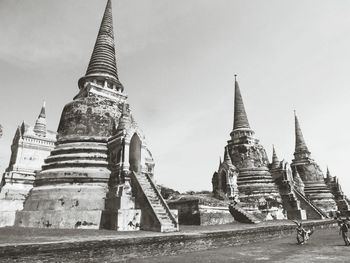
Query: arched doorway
[223,180]
[135,153]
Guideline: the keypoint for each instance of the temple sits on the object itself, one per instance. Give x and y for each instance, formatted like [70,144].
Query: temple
[295,204]
[339,196]
[257,192]
[260,190]
[311,174]
[30,146]
[100,173]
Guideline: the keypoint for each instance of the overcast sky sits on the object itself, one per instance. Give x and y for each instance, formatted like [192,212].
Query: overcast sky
[176,60]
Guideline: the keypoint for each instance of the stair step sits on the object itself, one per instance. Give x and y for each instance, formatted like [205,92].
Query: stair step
[157,203]
[164,214]
[168,225]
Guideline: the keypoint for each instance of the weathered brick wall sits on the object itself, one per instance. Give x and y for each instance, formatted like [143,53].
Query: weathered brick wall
[122,249]
[188,211]
[89,116]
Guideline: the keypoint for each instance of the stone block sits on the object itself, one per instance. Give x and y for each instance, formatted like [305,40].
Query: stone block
[10,205]
[7,218]
[71,219]
[8,210]
[122,220]
[214,215]
[128,219]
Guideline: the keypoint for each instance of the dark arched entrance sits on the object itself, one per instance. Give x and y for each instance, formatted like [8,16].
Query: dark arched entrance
[223,181]
[135,153]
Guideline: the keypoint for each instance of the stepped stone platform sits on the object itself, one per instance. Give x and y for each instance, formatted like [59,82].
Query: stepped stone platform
[61,245]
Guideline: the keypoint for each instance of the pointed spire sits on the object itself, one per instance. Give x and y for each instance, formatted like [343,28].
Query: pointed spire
[328,174]
[300,145]
[102,63]
[240,116]
[23,127]
[40,124]
[227,158]
[43,112]
[220,162]
[275,162]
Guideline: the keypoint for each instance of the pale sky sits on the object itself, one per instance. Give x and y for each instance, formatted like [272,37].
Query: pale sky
[176,60]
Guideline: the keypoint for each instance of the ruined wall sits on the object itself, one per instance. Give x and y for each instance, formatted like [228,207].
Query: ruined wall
[188,211]
[191,212]
[245,156]
[310,171]
[32,153]
[89,116]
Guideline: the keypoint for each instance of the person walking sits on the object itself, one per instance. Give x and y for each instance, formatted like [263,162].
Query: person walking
[344,231]
[303,235]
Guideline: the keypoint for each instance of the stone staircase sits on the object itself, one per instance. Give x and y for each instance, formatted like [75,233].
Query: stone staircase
[155,204]
[309,205]
[240,215]
[342,204]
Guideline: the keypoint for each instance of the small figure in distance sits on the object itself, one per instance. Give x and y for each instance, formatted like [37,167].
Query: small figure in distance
[338,218]
[344,231]
[302,234]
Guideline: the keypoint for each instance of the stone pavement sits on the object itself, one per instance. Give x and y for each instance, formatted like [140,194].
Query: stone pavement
[325,245]
[18,235]
[57,245]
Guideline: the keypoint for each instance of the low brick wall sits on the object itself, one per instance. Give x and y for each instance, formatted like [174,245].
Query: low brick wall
[192,212]
[124,248]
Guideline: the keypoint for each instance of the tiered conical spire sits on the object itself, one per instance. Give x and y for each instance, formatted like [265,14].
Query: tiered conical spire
[240,116]
[300,145]
[103,58]
[275,162]
[40,124]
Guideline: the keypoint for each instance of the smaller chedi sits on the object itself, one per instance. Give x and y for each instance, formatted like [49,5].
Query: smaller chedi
[340,198]
[225,179]
[262,190]
[244,175]
[30,146]
[315,187]
[295,204]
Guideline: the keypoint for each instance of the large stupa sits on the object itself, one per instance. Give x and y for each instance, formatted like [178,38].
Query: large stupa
[100,174]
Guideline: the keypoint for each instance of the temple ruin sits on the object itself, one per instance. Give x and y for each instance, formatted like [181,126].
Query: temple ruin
[247,164]
[100,173]
[262,190]
[30,146]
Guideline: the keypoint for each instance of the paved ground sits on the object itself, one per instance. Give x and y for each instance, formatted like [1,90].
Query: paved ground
[17,235]
[324,246]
